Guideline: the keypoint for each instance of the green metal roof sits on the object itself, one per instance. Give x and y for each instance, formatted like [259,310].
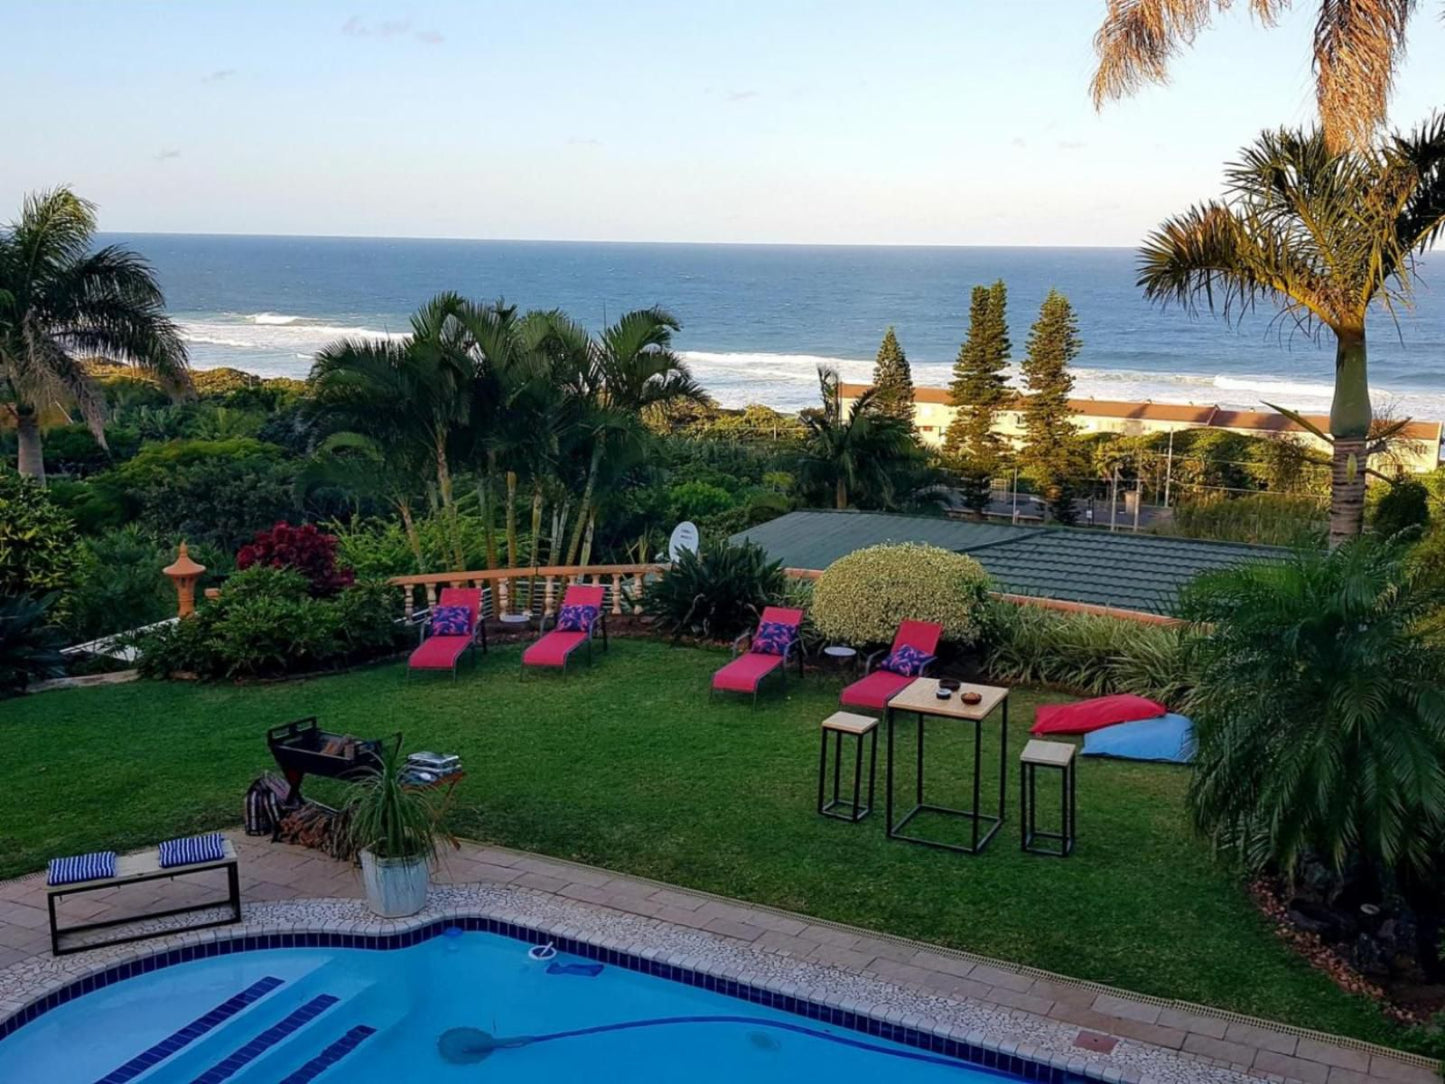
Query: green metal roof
[1127,571]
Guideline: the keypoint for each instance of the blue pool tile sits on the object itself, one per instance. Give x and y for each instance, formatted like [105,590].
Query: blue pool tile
[237,1060]
[330,1056]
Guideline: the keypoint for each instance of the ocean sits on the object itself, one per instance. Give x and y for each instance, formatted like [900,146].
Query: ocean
[757,320]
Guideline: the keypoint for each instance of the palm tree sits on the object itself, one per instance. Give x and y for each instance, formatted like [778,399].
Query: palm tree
[1340,761]
[409,396]
[1357,46]
[612,379]
[852,451]
[62,304]
[1323,236]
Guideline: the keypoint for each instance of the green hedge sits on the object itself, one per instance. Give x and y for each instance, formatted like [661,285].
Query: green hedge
[862,598]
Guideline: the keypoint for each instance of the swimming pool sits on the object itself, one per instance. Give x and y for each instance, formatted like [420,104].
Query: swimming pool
[462,1006]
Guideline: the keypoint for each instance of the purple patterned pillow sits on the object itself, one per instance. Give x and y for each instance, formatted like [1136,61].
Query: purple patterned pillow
[907,661]
[576,618]
[773,638]
[451,621]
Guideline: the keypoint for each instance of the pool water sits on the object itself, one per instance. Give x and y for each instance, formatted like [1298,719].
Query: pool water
[291,1016]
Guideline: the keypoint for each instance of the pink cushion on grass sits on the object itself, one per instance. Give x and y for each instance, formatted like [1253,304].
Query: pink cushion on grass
[1089,715]
[439,652]
[553,649]
[744,672]
[874,690]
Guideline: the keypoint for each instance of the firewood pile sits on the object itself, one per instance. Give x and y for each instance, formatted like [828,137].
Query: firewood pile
[317,827]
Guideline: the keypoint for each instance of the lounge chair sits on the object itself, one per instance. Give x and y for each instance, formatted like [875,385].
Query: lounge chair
[771,645]
[886,675]
[444,639]
[582,615]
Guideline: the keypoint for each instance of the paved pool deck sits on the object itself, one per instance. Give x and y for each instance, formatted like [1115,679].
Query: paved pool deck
[1088,1029]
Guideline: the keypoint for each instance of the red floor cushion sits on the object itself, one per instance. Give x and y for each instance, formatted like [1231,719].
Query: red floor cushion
[874,690]
[439,652]
[744,672]
[552,649]
[1088,715]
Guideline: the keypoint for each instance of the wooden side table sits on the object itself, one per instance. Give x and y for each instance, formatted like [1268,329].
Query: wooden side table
[1057,755]
[921,699]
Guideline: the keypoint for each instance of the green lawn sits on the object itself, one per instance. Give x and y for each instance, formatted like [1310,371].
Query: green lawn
[631,767]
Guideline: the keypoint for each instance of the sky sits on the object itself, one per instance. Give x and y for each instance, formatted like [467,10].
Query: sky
[953,122]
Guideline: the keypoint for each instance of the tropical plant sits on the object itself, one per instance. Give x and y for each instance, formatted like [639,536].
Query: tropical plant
[1325,237]
[391,819]
[1357,46]
[1264,519]
[306,549]
[119,584]
[403,400]
[1398,505]
[1320,719]
[62,303]
[29,643]
[893,379]
[716,595]
[862,451]
[38,554]
[1052,456]
[1085,654]
[861,598]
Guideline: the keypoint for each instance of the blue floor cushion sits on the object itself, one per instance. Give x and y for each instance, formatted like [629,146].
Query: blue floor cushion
[1170,738]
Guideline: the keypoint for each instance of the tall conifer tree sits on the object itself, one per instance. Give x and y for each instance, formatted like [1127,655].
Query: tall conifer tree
[1052,455]
[893,380]
[978,392]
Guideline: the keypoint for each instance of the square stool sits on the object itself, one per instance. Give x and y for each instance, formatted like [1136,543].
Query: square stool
[1060,756]
[860,726]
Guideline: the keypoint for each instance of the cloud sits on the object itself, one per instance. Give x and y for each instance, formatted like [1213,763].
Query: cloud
[1071,144]
[1017,141]
[220,75]
[166,154]
[741,95]
[357,27]
[583,141]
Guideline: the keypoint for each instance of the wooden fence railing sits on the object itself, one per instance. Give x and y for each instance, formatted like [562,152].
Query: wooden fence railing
[515,590]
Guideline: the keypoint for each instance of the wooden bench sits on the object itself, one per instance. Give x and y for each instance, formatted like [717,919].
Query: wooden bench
[135,869]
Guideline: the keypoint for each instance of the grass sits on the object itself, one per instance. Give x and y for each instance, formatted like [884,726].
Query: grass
[631,767]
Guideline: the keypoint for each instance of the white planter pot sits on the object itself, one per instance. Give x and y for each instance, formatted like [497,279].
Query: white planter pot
[395,887]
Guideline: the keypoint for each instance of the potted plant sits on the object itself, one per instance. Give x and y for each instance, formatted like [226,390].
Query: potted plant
[395,828]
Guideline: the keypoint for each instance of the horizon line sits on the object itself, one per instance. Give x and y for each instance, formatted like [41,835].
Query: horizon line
[595,241]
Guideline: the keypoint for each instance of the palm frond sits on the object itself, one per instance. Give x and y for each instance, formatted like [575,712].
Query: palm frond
[1357,45]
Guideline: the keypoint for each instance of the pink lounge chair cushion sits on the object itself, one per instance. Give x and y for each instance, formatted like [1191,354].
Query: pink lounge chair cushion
[875,690]
[553,649]
[924,635]
[439,652]
[743,674]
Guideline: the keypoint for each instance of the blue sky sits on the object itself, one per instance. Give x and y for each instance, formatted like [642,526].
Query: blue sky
[912,122]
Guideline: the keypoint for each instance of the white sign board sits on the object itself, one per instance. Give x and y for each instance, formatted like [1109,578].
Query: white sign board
[684,537]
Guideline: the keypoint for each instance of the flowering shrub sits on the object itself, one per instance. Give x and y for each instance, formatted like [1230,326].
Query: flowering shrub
[862,598]
[309,551]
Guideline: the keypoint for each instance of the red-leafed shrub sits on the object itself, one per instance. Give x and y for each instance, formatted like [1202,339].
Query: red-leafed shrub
[309,551]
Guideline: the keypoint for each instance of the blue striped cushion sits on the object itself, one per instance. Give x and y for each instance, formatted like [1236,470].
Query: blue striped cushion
[81,867]
[186,852]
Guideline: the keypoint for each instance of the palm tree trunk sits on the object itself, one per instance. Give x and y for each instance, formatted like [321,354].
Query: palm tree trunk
[489,508]
[536,543]
[413,539]
[1350,419]
[32,454]
[511,521]
[449,510]
[584,510]
[559,529]
[840,494]
[587,539]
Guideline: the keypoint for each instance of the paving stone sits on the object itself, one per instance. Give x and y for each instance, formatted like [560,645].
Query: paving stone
[728,928]
[774,941]
[1230,1053]
[1311,1072]
[828,935]
[1261,1038]
[680,900]
[1349,1076]
[1211,1026]
[997,976]
[545,882]
[1113,1005]
[1404,1073]
[1330,1054]
[937,961]
[1154,1034]
[1014,1000]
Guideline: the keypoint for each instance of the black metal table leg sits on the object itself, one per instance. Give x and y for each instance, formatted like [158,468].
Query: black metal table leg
[888,778]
